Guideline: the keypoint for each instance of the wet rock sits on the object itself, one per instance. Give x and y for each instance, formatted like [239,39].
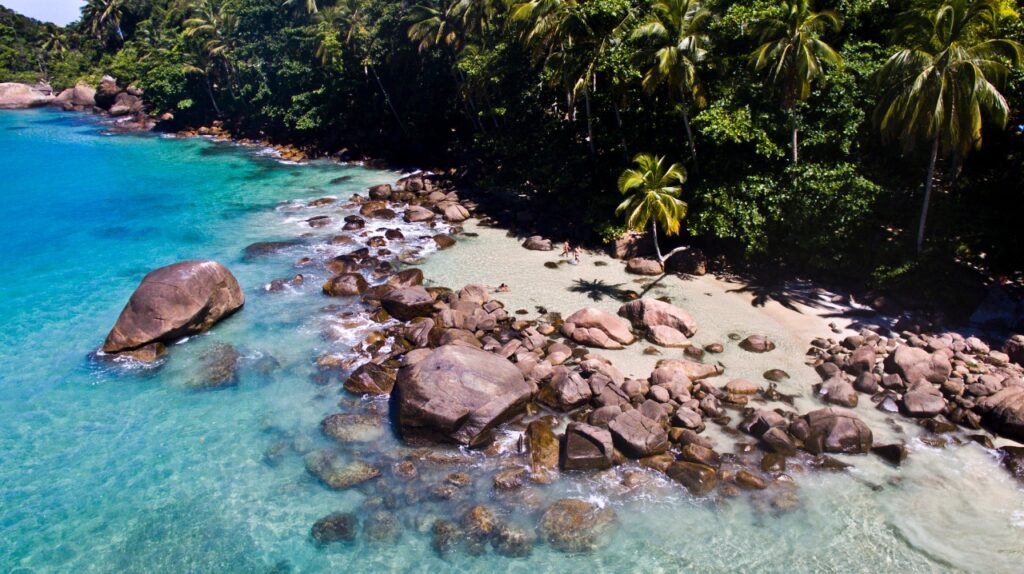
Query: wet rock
[417,214]
[335,527]
[445,535]
[832,430]
[776,375]
[218,368]
[350,428]
[335,473]
[543,447]
[596,328]
[701,455]
[697,478]
[408,303]
[458,394]
[1013,459]
[778,441]
[916,365]
[537,243]
[266,248]
[443,241]
[757,344]
[345,285]
[1004,412]
[643,266]
[513,542]
[510,479]
[894,454]
[587,447]
[318,221]
[371,379]
[750,481]
[479,524]
[574,525]
[172,302]
[638,436]
[646,313]
[455,213]
[380,192]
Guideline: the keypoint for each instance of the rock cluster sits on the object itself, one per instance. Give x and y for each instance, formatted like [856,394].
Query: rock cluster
[939,380]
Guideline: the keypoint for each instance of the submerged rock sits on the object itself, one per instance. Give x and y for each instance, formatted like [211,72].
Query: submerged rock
[347,428]
[335,527]
[327,465]
[458,394]
[218,368]
[574,525]
[371,379]
[172,302]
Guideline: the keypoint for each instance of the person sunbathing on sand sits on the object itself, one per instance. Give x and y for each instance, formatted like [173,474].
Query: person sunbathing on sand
[502,288]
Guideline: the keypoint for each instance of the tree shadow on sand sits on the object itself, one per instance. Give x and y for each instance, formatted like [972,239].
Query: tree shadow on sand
[597,290]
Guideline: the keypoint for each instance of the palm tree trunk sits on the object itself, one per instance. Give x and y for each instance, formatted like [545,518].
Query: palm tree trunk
[590,123]
[796,140]
[654,236]
[927,193]
[387,99]
[622,135]
[689,134]
[209,92]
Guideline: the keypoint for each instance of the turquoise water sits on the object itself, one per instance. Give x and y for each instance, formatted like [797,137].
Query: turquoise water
[109,468]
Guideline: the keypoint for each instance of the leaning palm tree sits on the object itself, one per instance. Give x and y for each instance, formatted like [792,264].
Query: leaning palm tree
[653,189]
[792,55]
[674,39]
[939,91]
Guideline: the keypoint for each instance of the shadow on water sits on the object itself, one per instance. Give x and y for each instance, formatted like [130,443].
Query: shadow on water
[597,290]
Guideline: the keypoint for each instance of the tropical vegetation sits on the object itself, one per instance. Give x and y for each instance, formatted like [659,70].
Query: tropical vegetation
[818,134]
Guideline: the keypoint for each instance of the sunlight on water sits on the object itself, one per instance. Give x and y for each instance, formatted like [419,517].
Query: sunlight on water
[110,469]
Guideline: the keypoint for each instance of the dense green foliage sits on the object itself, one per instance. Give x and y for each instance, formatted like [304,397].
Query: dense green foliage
[554,98]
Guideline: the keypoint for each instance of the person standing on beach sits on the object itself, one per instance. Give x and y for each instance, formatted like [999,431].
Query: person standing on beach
[566,249]
[576,254]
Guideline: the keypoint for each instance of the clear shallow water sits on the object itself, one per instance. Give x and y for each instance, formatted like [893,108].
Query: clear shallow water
[105,469]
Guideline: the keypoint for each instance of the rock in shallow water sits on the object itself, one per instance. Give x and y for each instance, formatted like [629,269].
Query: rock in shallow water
[335,527]
[174,302]
[218,368]
[458,394]
[327,465]
[574,525]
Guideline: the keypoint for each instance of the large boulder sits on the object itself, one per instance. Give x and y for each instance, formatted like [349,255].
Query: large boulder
[646,313]
[537,243]
[174,302]
[596,328]
[81,95]
[916,365]
[1004,412]
[458,394]
[14,96]
[698,478]
[667,370]
[106,92]
[638,436]
[543,447]
[574,525]
[922,400]
[345,285]
[832,430]
[1014,348]
[644,266]
[587,447]
[125,104]
[408,303]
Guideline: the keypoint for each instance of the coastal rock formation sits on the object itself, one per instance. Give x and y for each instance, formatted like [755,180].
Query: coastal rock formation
[408,303]
[596,328]
[1005,412]
[81,96]
[646,313]
[667,369]
[637,435]
[106,92]
[14,96]
[328,466]
[346,284]
[459,394]
[174,302]
[371,379]
[335,527]
[916,365]
[587,447]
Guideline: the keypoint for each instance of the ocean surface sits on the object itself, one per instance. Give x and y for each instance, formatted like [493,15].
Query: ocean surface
[110,467]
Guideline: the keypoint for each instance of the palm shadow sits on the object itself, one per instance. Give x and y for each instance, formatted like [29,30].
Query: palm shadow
[598,290]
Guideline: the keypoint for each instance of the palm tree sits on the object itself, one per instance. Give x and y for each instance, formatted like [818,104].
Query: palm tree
[58,42]
[939,91]
[103,15]
[430,26]
[311,5]
[213,24]
[674,39]
[653,189]
[792,55]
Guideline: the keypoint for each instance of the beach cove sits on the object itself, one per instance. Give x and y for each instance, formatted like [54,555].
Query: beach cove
[114,467]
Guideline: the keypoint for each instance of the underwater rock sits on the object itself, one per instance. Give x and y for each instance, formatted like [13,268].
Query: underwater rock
[218,368]
[175,301]
[699,479]
[327,465]
[349,428]
[335,527]
[574,525]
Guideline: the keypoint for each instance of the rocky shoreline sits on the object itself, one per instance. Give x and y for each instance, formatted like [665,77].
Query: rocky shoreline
[493,408]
